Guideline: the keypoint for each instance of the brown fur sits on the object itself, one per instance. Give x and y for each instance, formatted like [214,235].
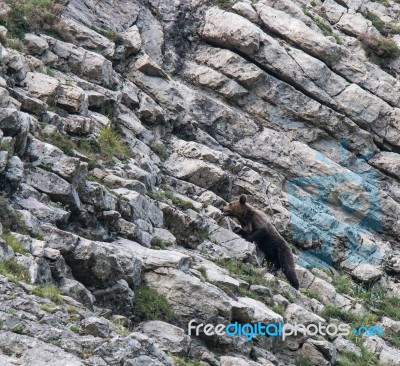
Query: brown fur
[255,227]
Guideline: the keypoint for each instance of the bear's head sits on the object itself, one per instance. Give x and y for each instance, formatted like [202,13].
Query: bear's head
[236,208]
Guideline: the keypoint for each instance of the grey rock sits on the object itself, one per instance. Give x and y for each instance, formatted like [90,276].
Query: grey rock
[31,351]
[132,40]
[119,297]
[168,338]
[366,273]
[35,44]
[42,86]
[98,327]
[50,183]
[73,99]
[138,207]
[6,252]
[103,264]
[77,291]
[58,239]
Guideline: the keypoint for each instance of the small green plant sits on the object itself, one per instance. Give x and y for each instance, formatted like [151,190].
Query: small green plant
[289,296]
[47,308]
[203,273]
[158,243]
[279,309]
[50,292]
[12,241]
[7,146]
[50,71]
[313,3]
[167,194]
[343,284]
[74,328]
[383,2]
[14,271]
[72,309]
[325,27]
[356,320]
[392,337]
[16,44]
[351,359]
[379,49]
[62,141]
[11,219]
[384,28]
[180,202]
[160,150]
[150,305]
[337,39]
[26,16]
[102,148]
[120,328]
[19,329]
[180,361]
[244,271]
[110,34]
[111,144]
[311,293]
[303,361]
[224,4]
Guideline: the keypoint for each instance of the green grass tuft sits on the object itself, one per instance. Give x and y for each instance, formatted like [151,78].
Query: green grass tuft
[150,305]
[312,294]
[19,329]
[47,308]
[356,320]
[108,146]
[111,145]
[379,49]
[324,26]
[50,292]
[12,241]
[351,359]
[167,194]
[224,4]
[26,16]
[244,271]
[384,28]
[14,271]
[303,361]
[158,243]
[160,150]
[180,361]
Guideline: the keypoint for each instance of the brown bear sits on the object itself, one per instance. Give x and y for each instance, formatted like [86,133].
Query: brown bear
[255,227]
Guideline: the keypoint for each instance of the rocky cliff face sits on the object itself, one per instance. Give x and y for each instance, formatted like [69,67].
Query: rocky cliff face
[124,128]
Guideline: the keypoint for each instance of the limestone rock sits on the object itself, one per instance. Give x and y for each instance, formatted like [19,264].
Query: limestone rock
[168,337]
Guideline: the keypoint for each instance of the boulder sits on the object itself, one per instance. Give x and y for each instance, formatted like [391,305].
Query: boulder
[168,338]
[42,86]
[366,273]
[103,264]
[98,327]
[205,303]
[47,182]
[232,30]
[135,206]
[73,99]
[133,42]
[35,44]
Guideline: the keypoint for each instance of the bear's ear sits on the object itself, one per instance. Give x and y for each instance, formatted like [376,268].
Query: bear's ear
[242,199]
